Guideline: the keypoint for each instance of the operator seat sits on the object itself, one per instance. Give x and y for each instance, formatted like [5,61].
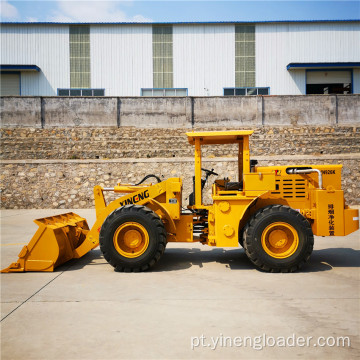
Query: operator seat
[238,185]
[234,185]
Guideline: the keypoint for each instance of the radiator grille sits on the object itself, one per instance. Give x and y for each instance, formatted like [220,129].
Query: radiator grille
[290,188]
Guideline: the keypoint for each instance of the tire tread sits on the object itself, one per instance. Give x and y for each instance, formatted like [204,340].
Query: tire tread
[249,231]
[156,223]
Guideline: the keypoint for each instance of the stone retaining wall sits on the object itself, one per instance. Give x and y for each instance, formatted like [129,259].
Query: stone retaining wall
[69,183]
[58,167]
[130,142]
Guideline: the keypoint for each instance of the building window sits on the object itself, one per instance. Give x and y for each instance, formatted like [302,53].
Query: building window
[243,91]
[81,92]
[80,57]
[163,92]
[162,41]
[245,56]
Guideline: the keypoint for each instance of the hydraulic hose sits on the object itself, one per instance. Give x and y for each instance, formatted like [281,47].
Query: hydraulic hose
[147,177]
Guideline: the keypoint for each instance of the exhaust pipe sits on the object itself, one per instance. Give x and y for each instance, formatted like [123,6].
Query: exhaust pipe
[307,171]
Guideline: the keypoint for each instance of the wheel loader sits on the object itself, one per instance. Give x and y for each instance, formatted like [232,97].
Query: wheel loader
[273,212]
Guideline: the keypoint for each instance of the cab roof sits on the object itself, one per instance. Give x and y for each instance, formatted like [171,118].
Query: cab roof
[218,137]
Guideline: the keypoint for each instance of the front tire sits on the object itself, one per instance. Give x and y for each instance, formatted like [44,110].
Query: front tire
[132,238]
[278,239]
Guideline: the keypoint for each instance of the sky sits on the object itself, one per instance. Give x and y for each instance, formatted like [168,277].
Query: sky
[176,11]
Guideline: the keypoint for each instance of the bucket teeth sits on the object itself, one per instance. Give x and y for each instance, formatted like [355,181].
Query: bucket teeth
[14,267]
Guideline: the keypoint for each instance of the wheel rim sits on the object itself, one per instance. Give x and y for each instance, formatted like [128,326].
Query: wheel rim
[131,239]
[280,240]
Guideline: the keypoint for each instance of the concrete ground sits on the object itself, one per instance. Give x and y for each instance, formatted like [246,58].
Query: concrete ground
[85,310]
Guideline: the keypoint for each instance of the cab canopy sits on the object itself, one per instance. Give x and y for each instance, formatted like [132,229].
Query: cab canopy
[218,137]
[240,137]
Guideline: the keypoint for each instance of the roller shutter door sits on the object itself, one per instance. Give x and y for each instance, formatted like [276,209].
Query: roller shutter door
[328,77]
[328,82]
[9,84]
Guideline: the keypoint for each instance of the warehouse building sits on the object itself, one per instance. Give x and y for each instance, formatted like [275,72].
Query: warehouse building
[180,59]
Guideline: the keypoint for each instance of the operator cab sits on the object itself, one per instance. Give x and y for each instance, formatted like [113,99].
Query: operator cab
[221,185]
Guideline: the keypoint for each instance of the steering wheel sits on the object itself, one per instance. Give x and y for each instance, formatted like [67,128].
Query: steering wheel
[209,172]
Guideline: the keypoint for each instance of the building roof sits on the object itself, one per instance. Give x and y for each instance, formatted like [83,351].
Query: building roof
[180,22]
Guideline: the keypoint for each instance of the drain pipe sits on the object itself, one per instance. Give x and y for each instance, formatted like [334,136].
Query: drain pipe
[307,171]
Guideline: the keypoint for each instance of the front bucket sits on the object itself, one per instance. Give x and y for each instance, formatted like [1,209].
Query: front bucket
[53,243]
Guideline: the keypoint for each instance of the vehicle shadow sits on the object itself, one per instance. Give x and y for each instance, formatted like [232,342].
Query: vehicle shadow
[92,258]
[326,259]
[182,258]
[175,259]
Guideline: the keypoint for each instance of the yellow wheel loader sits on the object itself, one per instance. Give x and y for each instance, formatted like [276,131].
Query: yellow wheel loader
[273,212]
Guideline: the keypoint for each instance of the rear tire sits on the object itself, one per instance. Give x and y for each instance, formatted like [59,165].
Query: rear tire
[278,239]
[132,238]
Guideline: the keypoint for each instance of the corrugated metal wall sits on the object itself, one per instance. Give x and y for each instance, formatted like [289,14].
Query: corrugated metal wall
[44,46]
[204,58]
[280,44]
[121,58]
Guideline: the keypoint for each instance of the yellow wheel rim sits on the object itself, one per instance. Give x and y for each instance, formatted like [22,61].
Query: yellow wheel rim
[131,239]
[280,240]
